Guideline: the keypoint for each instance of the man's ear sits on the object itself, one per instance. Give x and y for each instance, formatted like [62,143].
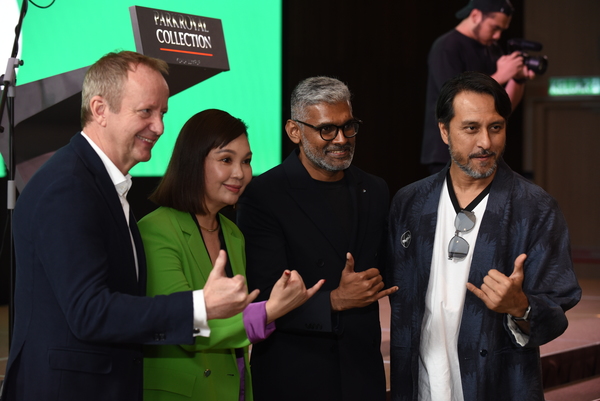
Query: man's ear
[443,132]
[293,131]
[476,16]
[99,108]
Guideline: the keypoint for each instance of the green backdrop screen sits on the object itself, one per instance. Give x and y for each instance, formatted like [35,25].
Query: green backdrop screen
[73,33]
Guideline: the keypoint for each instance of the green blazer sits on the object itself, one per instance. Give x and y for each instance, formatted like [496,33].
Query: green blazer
[177,260]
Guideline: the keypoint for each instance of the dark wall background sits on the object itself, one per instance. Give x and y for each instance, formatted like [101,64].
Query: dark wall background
[379,49]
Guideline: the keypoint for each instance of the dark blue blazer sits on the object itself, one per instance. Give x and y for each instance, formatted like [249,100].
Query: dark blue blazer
[519,218]
[289,224]
[81,316]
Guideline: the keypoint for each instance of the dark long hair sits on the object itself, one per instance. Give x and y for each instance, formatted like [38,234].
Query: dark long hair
[183,187]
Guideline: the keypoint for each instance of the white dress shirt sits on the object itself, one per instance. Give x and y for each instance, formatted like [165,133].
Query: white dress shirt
[122,185]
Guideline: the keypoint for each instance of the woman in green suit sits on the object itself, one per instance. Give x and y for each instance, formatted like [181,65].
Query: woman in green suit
[209,169]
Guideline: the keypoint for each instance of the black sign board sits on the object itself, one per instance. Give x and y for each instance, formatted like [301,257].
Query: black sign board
[193,46]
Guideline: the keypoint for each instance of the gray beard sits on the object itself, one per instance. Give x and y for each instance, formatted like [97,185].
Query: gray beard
[468,170]
[472,173]
[320,162]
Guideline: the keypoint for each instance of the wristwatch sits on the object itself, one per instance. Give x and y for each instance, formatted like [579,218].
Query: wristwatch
[525,317]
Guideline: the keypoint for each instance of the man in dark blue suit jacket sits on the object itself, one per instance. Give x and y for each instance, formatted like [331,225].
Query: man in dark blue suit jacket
[482,260]
[317,214]
[81,315]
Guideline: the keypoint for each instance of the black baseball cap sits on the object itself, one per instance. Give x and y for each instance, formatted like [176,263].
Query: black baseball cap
[502,6]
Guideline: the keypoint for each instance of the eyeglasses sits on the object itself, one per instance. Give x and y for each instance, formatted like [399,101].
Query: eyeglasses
[458,248]
[328,132]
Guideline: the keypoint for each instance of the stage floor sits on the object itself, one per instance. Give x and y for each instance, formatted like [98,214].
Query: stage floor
[583,330]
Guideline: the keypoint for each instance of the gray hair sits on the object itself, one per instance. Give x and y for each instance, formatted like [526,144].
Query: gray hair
[317,90]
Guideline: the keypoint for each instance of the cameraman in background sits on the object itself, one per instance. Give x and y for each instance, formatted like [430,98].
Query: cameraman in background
[470,46]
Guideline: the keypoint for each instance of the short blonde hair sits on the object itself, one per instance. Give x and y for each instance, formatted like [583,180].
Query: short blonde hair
[107,76]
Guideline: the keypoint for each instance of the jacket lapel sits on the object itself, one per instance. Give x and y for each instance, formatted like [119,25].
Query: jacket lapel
[92,161]
[233,242]
[360,201]
[302,189]
[427,227]
[197,248]
[491,232]
[107,190]
[195,244]
[491,229]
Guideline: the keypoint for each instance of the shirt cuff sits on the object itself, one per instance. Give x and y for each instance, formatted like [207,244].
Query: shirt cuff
[255,322]
[521,338]
[201,327]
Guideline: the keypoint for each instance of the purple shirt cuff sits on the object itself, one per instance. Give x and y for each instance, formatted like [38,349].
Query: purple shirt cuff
[255,322]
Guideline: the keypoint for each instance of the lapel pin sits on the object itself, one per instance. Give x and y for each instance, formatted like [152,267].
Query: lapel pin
[405,239]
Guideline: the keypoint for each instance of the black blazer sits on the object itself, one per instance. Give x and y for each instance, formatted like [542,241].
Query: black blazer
[80,312]
[314,353]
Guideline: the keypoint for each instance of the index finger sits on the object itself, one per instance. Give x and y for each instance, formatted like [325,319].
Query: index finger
[370,273]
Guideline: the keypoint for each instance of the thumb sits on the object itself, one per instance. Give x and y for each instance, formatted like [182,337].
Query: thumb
[517,274]
[349,267]
[218,269]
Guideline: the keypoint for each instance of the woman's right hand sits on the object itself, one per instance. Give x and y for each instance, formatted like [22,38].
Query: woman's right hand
[289,293]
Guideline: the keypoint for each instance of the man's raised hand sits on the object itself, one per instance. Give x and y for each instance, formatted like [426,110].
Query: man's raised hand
[358,289]
[224,296]
[289,293]
[504,294]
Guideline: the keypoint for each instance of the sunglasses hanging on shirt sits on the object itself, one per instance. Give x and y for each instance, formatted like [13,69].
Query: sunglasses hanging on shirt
[458,248]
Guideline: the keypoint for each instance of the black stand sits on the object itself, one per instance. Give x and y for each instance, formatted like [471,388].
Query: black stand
[8,101]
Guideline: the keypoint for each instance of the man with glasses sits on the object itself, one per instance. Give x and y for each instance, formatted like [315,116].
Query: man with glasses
[321,216]
[475,226]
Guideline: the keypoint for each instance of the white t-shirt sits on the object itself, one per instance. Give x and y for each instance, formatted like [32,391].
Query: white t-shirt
[439,369]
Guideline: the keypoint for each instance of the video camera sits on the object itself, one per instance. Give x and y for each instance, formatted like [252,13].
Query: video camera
[537,64]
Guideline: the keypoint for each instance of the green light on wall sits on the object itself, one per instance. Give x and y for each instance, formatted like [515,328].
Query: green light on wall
[574,86]
[53,43]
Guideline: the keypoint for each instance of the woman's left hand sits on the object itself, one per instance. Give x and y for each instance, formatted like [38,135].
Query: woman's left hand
[289,293]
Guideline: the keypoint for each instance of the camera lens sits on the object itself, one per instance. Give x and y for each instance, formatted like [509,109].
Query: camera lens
[537,64]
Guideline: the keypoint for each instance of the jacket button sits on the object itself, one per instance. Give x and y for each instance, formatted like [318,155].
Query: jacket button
[483,352]
[320,263]
[207,373]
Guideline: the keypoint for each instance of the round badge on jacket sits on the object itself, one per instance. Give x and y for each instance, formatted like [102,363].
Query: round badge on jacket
[405,239]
